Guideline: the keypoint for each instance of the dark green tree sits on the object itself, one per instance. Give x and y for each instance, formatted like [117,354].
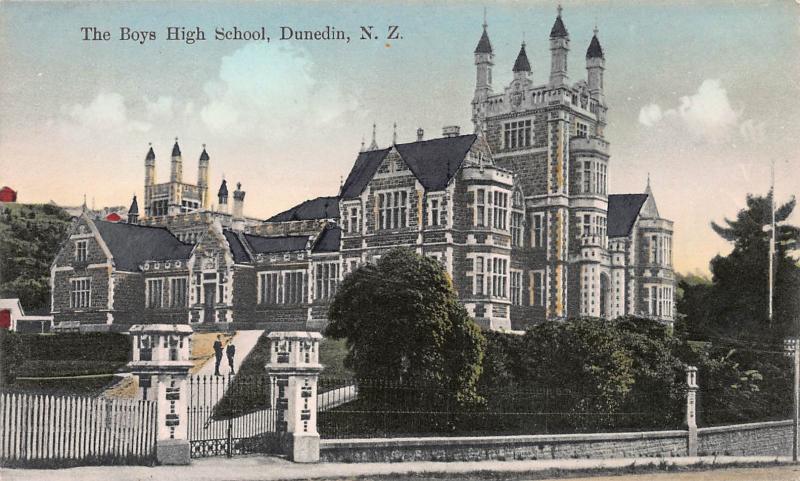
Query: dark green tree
[30,236]
[403,324]
[738,299]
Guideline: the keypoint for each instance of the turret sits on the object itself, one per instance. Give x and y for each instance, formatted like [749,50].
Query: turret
[150,167]
[176,170]
[484,60]
[133,212]
[202,178]
[238,208]
[222,196]
[522,67]
[595,65]
[559,47]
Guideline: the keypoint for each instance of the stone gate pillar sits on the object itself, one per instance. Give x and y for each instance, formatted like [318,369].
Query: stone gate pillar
[293,370]
[161,365]
[691,409]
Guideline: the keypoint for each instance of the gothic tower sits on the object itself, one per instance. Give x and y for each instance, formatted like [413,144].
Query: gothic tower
[559,47]
[202,178]
[484,60]
[595,65]
[149,179]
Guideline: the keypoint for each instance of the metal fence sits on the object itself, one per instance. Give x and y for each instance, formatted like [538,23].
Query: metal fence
[378,408]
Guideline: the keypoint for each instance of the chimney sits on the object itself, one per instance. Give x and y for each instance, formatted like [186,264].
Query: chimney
[420,134]
[451,131]
[238,208]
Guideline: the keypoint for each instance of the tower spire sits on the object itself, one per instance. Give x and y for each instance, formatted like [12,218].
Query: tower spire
[374,144]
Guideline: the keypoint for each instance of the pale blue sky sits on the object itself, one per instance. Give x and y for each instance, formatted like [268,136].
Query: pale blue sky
[702,96]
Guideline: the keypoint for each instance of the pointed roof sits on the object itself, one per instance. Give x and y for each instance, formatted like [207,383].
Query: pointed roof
[366,165]
[176,151]
[223,189]
[522,64]
[203,154]
[484,45]
[623,209]
[150,154]
[558,30]
[650,210]
[594,50]
[134,208]
[319,208]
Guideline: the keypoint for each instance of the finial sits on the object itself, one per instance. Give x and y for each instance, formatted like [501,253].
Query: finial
[484,19]
[523,38]
[238,186]
[394,134]
[595,26]
[176,140]
[84,201]
[648,180]
[204,146]
[341,182]
[559,9]
[362,144]
[149,144]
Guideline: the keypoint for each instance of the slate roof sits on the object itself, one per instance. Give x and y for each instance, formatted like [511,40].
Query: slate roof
[622,212]
[328,240]
[484,45]
[176,151]
[594,50]
[204,154]
[268,245]
[223,189]
[150,154]
[434,162]
[134,208]
[237,248]
[558,30]
[132,244]
[319,208]
[522,64]
[363,170]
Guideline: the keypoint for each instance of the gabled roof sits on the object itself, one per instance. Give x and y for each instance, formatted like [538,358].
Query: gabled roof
[484,45]
[522,64]
[238,250]
[329,239]
[132,244]
[366,165]
[434,162]
[319,208]
[623,209]
[268,245]
[594,50]
[558,30]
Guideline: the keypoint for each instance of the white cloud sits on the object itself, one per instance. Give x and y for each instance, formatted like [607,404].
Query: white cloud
[107,111]
[271,92]
[706,116]
[160,109]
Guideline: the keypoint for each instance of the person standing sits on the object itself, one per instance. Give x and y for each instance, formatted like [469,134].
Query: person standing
[230,351]
[218,354]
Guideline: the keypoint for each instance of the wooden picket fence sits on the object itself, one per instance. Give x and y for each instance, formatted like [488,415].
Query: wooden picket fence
[56,431]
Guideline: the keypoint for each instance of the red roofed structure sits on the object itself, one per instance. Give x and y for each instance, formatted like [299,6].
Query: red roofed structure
[7,194]
[113,217]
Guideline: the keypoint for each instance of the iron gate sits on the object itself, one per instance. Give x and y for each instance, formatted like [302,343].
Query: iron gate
[230,415]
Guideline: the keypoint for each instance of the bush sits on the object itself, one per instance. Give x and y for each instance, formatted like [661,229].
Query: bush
[93,346]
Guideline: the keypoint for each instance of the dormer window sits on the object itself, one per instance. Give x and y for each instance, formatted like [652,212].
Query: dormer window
[81,250]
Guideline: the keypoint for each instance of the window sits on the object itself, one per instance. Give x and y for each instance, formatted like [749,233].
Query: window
[517,134]
[537,239]
[537,288]
[154,298]
[433,212]
[80,293]
[654,249]
[353,226]
[582,130]
[480,283]
[81,250]
[480,211]
[516,287]
[160,207]
[393,210]
[516,229]
[587,177]
[587,224]
[499,277]
[327,277]
[500,210]
[178,292]
[284,287]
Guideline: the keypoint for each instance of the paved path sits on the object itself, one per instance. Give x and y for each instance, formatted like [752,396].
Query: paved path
[262,468]
[244,342]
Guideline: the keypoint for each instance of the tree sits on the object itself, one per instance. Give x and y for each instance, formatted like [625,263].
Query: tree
[738,298]
[30,236]
[403,324]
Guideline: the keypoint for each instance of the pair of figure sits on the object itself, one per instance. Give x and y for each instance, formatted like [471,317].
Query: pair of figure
[230,351]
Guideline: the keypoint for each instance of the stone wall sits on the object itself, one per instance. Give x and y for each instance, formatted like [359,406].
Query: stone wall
[558,446]
[756,439]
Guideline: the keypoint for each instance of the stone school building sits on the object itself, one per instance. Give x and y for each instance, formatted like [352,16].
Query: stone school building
[517,212]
